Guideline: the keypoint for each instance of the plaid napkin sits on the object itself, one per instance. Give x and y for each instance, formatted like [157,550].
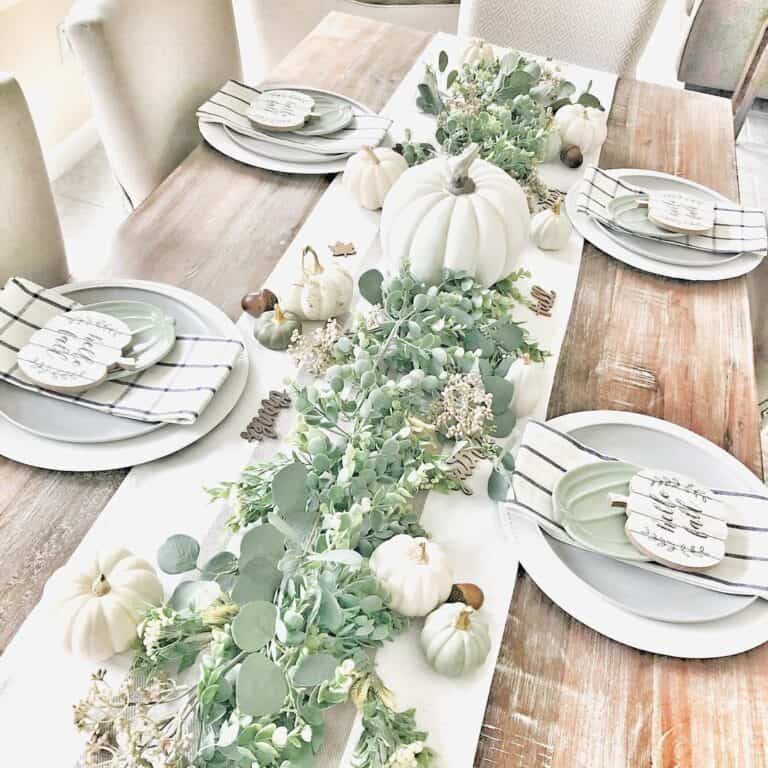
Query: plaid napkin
[736,230]
[176,390]
[546,454]
[228,106]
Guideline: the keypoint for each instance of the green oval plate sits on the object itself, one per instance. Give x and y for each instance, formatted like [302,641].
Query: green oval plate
[580,499]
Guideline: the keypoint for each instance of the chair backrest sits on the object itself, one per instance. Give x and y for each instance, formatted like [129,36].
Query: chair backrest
[602,34]
[31,245]
[148,65]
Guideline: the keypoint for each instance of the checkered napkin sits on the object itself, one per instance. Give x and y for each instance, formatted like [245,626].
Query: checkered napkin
[176,390]
[736,230]
[546,454]
[228,106]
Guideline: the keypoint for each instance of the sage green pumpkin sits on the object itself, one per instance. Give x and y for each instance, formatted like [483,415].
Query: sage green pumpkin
[274,329]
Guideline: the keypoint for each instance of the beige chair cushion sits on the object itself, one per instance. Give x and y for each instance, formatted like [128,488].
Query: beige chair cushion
[148,65]
[30,236]
[603,34]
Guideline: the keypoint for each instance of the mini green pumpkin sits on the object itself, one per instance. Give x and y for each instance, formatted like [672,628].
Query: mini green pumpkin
[274,329]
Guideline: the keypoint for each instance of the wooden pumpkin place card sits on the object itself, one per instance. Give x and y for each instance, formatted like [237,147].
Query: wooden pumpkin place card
[75,351]
[280,110]
[674,520]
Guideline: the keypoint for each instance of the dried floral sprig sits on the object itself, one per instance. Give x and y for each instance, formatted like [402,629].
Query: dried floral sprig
[463,412]
[314,353]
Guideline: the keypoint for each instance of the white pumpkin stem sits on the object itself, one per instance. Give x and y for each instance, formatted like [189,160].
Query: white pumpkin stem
[101,586]
[371,155]
[556,207]
[422,556]
[278,316]
[464,620]
[460,182]
[317,267]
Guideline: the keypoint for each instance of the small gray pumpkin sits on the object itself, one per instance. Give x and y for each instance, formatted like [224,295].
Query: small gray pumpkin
[274,329]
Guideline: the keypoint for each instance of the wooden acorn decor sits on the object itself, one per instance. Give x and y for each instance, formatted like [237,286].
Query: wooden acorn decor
[571,156]
[259,302]
[274,329]
[469,594]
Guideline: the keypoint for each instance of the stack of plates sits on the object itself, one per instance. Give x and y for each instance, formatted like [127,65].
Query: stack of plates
[277,157]
[633,606]
[53,434]
[666,259]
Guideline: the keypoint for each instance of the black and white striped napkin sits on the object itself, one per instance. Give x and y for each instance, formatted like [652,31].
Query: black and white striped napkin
[546,454]
[228,106]
[736,230]
[176,390]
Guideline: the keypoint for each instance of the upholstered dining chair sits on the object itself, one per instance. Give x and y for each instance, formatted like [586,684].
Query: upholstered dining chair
[31,245]
[602,34]
[148,65]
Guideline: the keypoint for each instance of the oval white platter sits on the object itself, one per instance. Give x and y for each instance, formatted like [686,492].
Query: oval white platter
[27,448]
[567,576]
[219,138]
[646,254]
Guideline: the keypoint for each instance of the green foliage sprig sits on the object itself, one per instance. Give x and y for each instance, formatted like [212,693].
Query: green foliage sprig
[283,629]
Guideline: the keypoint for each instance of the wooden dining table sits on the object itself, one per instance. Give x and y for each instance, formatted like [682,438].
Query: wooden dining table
[562,695]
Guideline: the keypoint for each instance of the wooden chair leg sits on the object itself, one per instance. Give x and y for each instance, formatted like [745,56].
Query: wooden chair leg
[752,77]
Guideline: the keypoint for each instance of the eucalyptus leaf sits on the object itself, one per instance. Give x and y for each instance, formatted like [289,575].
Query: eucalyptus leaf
[451,79]
[370,286]
[344,556]
[474,339]
[219,565]
[509,335]
[589,100]
[194,595]
[254,626]
[442,61]
[313,669]
[502,390]
[504,423]
[263,541]
[509,62]
[261,686]
[498,485]
[178,554]
[508,461]
[330,615]
[258,580]
[515,84]
[290,492]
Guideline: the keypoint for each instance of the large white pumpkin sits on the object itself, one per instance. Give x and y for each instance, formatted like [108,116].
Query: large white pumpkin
[586,127]
[460,213]
[370,174]
[320,293]
[99,606]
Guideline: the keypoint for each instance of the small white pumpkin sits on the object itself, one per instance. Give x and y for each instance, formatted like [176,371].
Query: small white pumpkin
[459,213]
[475,51]
[586,127]
[321,293]
[414,571]
[528,379]
[100,606]
[455,640]
[551,228]
[370,174]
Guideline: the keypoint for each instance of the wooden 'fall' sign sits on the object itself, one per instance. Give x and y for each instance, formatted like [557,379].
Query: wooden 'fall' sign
[75,351]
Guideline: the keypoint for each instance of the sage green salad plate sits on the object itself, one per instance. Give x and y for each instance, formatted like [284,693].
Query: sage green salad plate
[581,500]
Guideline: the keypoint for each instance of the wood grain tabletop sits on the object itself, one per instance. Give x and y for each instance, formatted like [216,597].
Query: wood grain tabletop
[562,695]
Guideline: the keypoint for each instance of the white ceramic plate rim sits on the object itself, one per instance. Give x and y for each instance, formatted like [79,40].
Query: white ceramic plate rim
[599,237]
[217,137]
[727,636]
[23,447]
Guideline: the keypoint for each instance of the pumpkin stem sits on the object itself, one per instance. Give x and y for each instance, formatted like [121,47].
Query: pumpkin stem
[101,586]
[278,315]
[422,556]
[371,155]
[460,182]
[556,207]
[463,620]
[316,268]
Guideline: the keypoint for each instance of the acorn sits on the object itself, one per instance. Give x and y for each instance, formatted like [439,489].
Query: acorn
[469,594]
[571,156]
[256,304]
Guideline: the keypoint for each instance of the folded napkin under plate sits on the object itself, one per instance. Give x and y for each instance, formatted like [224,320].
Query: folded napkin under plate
[229,105]
[176,390]
[736,230]
[546,454]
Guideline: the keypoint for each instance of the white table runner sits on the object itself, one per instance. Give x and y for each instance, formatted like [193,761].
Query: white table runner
[39,682]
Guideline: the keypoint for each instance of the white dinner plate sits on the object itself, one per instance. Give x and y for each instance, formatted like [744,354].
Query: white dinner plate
[660,258]
[26,448]
[611,597]
[278,152]
[215,135]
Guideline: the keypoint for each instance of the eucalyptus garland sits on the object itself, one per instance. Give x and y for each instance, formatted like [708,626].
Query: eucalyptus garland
[505,106]
[285,629]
